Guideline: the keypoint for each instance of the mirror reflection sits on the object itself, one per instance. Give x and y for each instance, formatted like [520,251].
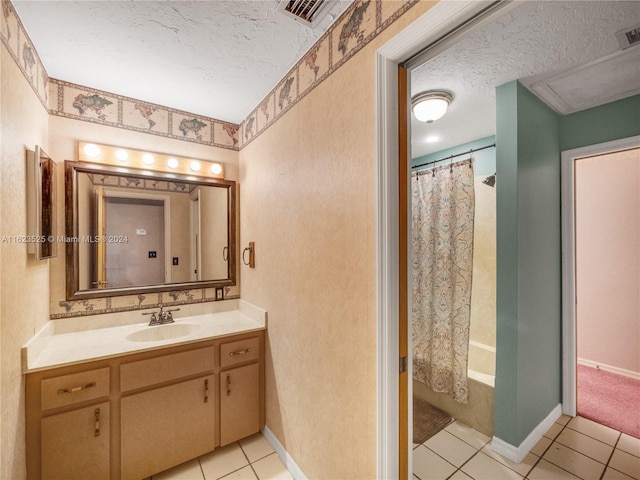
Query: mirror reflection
[138,232]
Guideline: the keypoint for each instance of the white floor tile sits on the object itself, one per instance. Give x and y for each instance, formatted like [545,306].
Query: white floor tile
[629,444]
[586,445]
[611,474]
[594,430]
[548,471]
[460,475]
[256,447]
[484,467]
[467,434]
[578,464]
[450,447]
[540,447]
[553,432]
[522,468]
[626,463]
[271,468]
[245,473]
[429,466]
[187,471]
[223,461]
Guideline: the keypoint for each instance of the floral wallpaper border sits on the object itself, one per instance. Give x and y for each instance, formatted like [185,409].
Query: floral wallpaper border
[355,28]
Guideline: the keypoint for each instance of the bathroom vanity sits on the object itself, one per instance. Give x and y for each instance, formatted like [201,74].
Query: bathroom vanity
[130,401]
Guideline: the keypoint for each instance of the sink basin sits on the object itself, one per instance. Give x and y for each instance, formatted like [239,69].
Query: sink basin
[163,332]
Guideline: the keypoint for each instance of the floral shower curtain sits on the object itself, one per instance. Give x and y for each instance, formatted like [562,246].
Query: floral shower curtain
[443,202]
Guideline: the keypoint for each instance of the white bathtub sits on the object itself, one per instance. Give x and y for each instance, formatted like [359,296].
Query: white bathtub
[482,363]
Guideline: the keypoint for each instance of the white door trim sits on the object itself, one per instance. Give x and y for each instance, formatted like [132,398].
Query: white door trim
[441,19]
[569,357]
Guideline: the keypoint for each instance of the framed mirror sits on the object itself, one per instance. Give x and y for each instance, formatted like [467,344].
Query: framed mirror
[131,231]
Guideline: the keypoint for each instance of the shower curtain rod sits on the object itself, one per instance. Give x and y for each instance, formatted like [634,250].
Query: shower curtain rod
[468,152]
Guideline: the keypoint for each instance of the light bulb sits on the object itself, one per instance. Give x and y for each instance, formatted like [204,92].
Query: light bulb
[148,159]
[122,155]
[194,166]
[172,163]
[92,150]
[216,169]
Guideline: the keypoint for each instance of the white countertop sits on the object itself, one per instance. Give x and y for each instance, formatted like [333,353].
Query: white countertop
[72,343]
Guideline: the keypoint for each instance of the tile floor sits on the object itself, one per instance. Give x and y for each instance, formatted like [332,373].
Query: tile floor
[573,448]
[249,459]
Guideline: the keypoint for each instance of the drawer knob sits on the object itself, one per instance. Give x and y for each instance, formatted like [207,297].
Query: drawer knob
[76,389]
[240,352]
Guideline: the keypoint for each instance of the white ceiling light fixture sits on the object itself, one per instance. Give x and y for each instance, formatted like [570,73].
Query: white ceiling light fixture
[431,105]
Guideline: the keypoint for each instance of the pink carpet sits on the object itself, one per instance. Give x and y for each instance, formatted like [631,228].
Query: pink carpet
[609,399]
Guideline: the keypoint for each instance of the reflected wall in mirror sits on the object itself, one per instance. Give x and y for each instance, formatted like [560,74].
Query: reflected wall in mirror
[132,231]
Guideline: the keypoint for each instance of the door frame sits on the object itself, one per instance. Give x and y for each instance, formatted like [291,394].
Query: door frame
[438,22]
[569,339]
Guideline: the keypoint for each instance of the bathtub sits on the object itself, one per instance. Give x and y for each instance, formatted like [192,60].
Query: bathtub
[478,411]
[482,363]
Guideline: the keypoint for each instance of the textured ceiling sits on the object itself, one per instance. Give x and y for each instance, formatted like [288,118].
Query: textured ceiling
[217,58]
[530,42]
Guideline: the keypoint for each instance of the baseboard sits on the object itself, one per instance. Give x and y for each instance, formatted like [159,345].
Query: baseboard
[517,454]
[287,459]
[609,368]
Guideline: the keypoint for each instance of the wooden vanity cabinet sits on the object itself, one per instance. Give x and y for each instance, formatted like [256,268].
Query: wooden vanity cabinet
[136,415]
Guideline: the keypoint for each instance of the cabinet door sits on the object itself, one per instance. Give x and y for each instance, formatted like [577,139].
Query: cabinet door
[239,403]
[76,444]
[166,426]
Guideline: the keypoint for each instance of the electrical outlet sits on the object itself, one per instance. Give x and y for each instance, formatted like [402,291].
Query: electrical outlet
[152,254]
[175,260]
[219,293]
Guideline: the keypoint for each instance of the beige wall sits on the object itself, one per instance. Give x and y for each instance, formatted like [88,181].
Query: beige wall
[23,124]
[483,294]
[309,202]
[65,133]
[608,259]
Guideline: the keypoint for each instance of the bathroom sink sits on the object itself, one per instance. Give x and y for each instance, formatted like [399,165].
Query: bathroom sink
[163,332]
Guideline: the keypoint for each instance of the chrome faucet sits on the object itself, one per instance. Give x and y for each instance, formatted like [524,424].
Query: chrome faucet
[162,317]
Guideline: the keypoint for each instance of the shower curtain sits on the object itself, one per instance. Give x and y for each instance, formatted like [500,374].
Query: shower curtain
[442,217]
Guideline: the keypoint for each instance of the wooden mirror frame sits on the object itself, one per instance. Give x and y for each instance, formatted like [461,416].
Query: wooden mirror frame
[73,292]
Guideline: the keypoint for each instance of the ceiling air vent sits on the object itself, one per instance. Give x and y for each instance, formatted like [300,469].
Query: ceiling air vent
[307,12]
[629,37]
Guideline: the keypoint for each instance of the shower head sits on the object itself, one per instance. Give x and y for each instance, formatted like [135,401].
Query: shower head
[490,180]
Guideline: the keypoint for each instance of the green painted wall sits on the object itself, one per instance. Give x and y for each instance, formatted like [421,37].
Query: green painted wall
[613,121]
[529,302]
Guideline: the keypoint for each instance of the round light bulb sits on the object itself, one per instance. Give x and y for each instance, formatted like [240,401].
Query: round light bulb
[216,169]
[148,159]
[122,155]
[194,166]
[92,150]
[172,163]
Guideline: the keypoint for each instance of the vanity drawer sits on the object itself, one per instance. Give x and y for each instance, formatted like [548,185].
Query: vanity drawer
[167,367]
[74,388]
[240,351]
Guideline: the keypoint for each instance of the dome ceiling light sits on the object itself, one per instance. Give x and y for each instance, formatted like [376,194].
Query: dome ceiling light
[431,105]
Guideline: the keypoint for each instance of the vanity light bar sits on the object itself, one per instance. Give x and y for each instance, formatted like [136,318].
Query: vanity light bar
[147,160]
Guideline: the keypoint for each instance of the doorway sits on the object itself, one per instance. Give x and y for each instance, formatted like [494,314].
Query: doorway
[597,224]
